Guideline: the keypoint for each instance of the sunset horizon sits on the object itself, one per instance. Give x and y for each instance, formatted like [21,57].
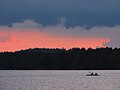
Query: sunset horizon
[22,37]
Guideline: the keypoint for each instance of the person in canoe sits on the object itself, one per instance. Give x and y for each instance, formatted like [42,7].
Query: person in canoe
[92,74]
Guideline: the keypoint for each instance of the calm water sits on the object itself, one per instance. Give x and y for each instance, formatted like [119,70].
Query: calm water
[59,80]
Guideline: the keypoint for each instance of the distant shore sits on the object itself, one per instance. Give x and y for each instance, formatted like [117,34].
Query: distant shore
[61,59]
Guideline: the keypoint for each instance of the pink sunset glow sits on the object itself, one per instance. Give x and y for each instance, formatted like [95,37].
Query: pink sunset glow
[33,38]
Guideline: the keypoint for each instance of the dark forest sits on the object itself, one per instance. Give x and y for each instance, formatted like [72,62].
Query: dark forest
[61,59]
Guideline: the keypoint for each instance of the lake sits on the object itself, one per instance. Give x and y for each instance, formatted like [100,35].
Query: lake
[59,80]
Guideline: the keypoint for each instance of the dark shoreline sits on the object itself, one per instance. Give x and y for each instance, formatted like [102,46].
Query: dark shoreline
[61,59]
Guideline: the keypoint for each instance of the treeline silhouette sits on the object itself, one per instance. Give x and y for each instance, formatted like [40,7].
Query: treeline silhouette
[61,59]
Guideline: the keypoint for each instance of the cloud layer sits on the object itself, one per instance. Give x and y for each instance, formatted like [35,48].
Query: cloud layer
[30,34]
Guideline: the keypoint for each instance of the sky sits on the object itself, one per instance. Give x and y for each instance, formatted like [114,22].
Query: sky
[59,23]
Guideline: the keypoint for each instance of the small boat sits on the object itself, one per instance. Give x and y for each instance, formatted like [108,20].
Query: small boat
[93,74]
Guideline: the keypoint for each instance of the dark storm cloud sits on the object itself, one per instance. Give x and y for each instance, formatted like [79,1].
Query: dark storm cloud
[77,12]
